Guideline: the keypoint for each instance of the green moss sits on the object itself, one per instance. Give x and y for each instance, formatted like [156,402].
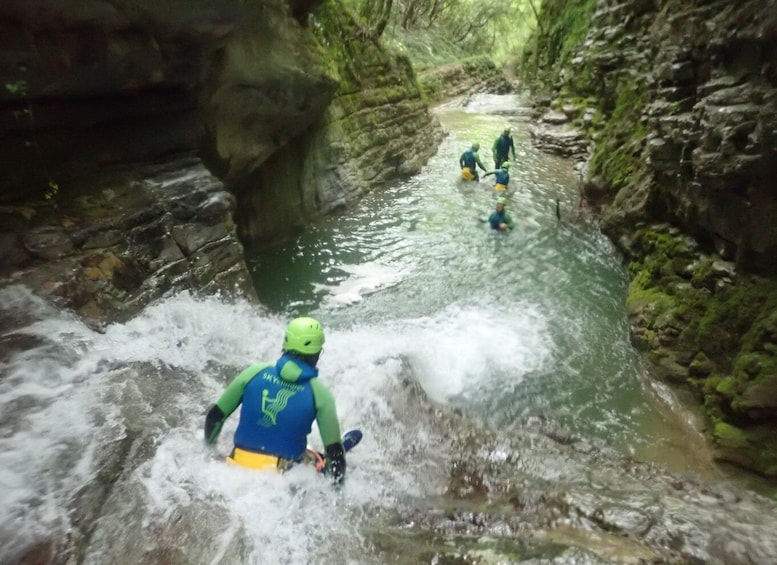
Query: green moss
[739,316]
[730,436]
[657,301]
[562,28]
[727,387]
[617,156]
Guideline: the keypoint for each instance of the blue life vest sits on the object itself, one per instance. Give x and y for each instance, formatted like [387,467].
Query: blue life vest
[277,413]
[495,219]
[503,144]
[502,177]
[468,159]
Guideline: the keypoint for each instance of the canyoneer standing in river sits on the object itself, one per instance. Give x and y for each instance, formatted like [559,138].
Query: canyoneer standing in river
[468,161]
[502,147]
[502,176]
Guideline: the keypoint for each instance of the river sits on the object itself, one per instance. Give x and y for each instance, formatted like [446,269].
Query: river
[507,418]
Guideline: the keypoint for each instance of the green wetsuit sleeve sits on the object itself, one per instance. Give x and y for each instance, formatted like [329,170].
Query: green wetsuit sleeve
[326,413]
[509,221]
[479,162]
[230,399]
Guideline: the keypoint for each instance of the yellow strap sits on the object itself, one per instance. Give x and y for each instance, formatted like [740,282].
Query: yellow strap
[252,460]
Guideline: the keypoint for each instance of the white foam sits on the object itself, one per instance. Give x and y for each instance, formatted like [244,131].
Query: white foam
[363,280]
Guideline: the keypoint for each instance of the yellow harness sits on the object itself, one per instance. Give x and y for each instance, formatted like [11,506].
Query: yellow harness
[466,174]
[263,462]
[498,186]
[258,461]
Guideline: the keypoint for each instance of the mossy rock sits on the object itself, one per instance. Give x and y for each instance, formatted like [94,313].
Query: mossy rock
[701,366]
[729,436]
[759,397]
[728,387]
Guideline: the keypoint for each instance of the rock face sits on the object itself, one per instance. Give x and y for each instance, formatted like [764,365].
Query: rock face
[703,116]
[680,100]
[118,242]
[291,110]
[376,128]
[469,77]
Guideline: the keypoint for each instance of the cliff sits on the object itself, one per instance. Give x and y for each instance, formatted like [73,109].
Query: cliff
[146,142]
[679,101]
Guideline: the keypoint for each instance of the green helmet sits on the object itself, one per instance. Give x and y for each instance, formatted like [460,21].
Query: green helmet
[506,165]
[501,200]
[507,129]
[304,335]
[475,146]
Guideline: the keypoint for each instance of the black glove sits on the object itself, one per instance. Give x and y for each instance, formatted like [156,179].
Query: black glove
[213,422]
[335,463]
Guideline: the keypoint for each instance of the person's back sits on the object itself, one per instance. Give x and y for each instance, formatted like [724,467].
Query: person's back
[468,162]
[467,158]
[278,409]
[279,404]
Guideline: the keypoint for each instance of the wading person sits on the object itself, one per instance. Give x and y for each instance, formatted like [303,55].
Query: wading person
[468,161]
[499,218]
[502,176]
[502,147]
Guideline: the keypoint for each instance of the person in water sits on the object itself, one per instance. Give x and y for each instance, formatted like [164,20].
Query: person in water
[502,176]
[499,219]
[468,160]
[502,147]
[279,403]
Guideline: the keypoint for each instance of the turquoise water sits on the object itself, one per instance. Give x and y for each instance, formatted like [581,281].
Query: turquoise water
[508,325]
[498,330]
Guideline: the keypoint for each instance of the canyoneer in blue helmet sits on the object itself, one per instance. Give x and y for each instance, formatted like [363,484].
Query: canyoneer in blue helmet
[468,161]
[279,403]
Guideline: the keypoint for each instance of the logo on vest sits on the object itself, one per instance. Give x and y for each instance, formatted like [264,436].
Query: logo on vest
[272,406]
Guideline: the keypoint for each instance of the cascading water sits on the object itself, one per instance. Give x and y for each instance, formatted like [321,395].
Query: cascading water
[487,370]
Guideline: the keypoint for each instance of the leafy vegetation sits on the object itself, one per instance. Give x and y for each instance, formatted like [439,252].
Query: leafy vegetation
[437,32]
[552,45]
[20,88]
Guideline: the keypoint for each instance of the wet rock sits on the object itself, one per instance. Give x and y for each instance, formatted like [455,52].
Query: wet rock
[48,242]
[761,396]
[107,276]
[471,77]
[555,118]
[560,141]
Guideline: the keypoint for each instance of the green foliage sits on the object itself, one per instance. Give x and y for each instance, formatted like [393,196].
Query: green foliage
[20,88]
[52,191]
[439,32]
[426,49]
[568,29]
[17,88]
[562,27]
